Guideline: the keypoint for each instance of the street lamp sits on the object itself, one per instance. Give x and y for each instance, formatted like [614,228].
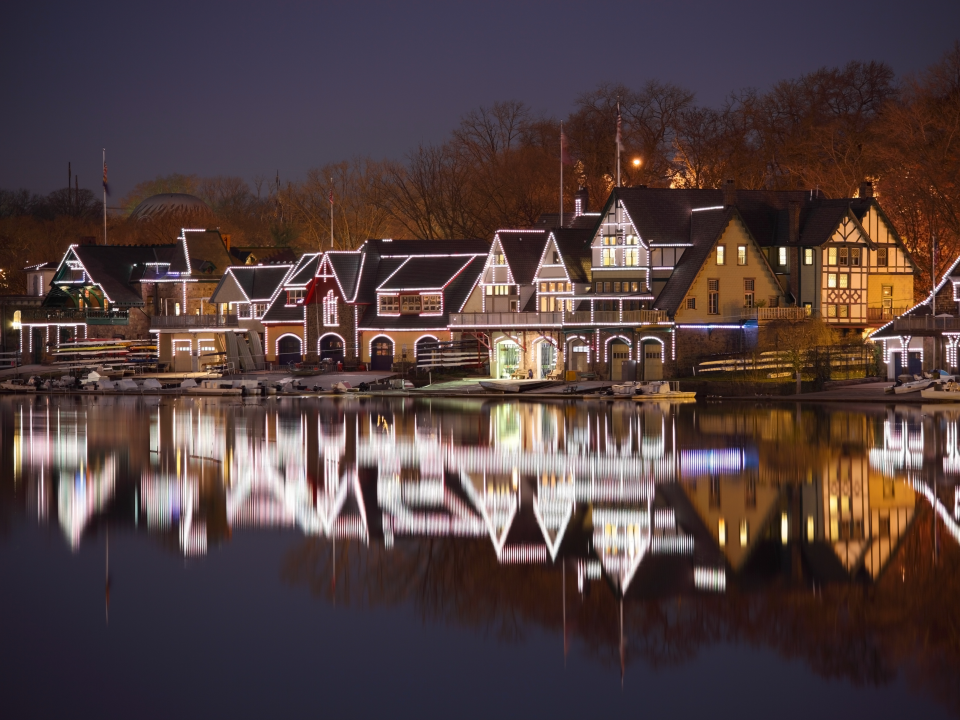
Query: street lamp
[637,162]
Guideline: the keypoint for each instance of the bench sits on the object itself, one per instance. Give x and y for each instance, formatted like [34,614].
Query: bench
[555,374]
[518,374]
[588,376]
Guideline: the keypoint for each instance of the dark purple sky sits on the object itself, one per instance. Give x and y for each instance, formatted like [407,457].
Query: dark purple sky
[252,87]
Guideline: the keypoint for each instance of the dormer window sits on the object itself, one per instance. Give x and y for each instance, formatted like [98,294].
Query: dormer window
[432,303]
[295,296]
[410,304]
[499,259]
[389,305]
[556,258]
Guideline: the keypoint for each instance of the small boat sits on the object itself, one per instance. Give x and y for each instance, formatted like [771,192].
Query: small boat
[18,385]
[948,391]
[921,383]
[658,390]
[627,388]
[516,386]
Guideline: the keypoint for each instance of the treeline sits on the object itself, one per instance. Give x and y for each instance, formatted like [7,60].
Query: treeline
[500,167]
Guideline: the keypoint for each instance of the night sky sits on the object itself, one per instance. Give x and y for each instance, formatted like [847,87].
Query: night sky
[249,88]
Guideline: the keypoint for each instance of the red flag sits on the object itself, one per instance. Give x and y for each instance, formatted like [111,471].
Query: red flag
[106,187]
[564,149]
[331,196]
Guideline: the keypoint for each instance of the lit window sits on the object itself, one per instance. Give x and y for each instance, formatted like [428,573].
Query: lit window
[882,257]
[631,257]
[722,532]
[691,303]
[721,253]
[609,257]
[410,303]
[810,528]
[749,285]
[432,303]
[744,533]
[176,308]
[741,254]
[544,305]
[713,297]
[610,240]
[831,256]
[599,287]
[844,279]
[498,259]
[16,319]
[543,287]
[831,311]
[389,304]
[831,280]
[631,239]
[784,529]
[635,287]
[616,287]
[843,311]
[330,314]
[808,256]
[782,256]
[553,287]
[295,297]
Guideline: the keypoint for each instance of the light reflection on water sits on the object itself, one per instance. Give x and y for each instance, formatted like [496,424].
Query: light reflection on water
[749,513]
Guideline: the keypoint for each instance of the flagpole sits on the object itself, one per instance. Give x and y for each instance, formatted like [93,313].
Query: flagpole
[560,224]
[619,142]
[104,196]
[331,213]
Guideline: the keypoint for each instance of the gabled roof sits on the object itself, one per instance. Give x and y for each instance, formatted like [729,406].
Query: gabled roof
[118,269]
[280,312]
[346,267]
[206,253]
[304,270]
[708,226]
[425,273]
[522,250]
[258,283]
[575,251]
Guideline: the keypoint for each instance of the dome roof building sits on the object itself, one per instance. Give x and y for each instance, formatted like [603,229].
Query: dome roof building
[167,205]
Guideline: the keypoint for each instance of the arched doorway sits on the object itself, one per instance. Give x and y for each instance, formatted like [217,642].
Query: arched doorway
[651,355]
[507,357]
[331,346]
[578,354]
[381,354]
[289,350]
[546,357]
[618,355]
[425,349]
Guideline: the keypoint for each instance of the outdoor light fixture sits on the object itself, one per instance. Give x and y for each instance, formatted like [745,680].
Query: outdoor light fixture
[637,162]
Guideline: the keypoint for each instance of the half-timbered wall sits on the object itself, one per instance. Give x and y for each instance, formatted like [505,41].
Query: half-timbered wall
[618,251]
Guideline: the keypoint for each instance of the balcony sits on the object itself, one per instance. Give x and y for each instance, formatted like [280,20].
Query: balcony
[193,322]
[882,315]
[505,319]
[87,316]
[766,314]
[925,325]
[615,317]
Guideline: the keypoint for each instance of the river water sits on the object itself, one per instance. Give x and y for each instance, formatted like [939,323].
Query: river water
[465,558]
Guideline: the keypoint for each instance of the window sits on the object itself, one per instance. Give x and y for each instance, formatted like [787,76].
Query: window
[741,254]
[610,240]
[295,297]
[616,287]
[808,256]
[499,289]
[176,308]
[831,311]
[773,301]
[744,533]
[831,256]
[330,315]
[631,257]
[556,258]
[543,287]
[721,255]
[844,279]
[714,297]
[608,287]
[844,256]
[545,304]
[599,287]
[410,303]
[886,296]
[631,239]
[691,303]
[609,257]
[389,304]
[843,311]
[432,303]
[855,257]
[882,257]
[749,285]
[782,256]
[635,287]
[498,259]
[553,287]
[831,280]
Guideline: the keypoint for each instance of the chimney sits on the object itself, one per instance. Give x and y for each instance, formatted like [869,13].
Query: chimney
[729,193]
[793,210]
[581,202]
[866,190]
[226,241]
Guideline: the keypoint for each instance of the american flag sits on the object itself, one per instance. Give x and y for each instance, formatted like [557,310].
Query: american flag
[564,148]
[331,196]
[619,130]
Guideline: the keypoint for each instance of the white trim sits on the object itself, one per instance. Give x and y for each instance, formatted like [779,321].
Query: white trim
[276,343]
[421,338]
[663,347]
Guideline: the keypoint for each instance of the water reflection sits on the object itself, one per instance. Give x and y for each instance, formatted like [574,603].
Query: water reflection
[803,528]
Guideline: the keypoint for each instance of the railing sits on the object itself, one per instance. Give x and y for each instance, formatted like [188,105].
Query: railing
[914,323]
[615,317]
[775,313]
[194,321]
[879,315]
[79,315]
[505,319]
